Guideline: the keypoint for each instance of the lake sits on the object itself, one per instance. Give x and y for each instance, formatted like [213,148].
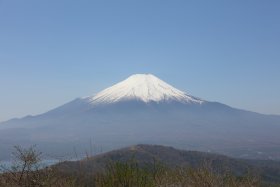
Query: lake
[6,165]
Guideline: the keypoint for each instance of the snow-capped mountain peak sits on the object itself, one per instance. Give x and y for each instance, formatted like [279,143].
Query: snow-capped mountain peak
[143,87]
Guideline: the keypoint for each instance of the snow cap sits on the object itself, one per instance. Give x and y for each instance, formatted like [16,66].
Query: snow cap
[144,87]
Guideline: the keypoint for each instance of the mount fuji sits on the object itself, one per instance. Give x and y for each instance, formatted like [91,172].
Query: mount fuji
[144,109]
[145,88]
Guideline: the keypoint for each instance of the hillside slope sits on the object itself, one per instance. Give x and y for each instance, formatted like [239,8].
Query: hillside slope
[146,155]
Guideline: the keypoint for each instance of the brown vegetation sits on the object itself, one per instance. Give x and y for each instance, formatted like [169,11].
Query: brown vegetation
[27,172]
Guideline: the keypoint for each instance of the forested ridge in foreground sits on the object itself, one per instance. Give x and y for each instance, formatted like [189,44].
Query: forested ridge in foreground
[141,166]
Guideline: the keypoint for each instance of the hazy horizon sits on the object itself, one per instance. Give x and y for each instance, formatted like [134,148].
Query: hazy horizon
[53,52]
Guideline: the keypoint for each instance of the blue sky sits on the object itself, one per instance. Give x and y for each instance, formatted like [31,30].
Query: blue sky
[52,51]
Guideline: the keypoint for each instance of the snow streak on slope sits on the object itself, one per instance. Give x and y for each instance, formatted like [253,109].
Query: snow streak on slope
[143,87]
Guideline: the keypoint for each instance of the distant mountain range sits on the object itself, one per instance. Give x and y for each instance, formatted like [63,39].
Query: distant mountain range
[145,109]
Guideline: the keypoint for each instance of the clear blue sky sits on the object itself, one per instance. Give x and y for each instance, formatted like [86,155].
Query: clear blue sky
[52,51]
